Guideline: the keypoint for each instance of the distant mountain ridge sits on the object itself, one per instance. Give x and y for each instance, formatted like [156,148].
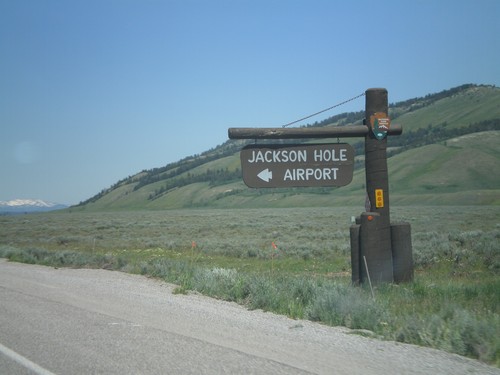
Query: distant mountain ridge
[213,178]
[28,205]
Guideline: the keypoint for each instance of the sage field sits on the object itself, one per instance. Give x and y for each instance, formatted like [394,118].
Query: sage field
[294,261]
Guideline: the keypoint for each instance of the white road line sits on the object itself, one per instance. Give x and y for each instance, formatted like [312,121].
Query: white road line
[24,361]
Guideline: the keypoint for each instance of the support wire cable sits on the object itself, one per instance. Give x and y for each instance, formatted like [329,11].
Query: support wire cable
[324,110]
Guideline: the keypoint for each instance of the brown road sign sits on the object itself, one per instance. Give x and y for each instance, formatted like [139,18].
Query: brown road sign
[299,165]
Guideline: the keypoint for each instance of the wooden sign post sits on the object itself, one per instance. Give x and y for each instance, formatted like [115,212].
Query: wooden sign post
[375,230]
[379,251]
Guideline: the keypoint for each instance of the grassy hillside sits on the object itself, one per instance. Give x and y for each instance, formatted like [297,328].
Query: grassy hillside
[448,154]
[459,108]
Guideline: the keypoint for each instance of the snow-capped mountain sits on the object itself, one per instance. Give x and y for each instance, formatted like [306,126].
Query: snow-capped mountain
[28,205]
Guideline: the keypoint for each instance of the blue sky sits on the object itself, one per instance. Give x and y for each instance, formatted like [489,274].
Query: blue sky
[94,91]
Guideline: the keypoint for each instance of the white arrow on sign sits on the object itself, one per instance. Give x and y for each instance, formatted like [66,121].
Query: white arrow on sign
[265,175]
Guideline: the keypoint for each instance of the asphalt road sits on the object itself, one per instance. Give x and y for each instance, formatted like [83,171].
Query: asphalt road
[78,321]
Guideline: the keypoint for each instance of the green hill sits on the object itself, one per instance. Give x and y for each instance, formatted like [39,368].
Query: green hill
[449,153]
